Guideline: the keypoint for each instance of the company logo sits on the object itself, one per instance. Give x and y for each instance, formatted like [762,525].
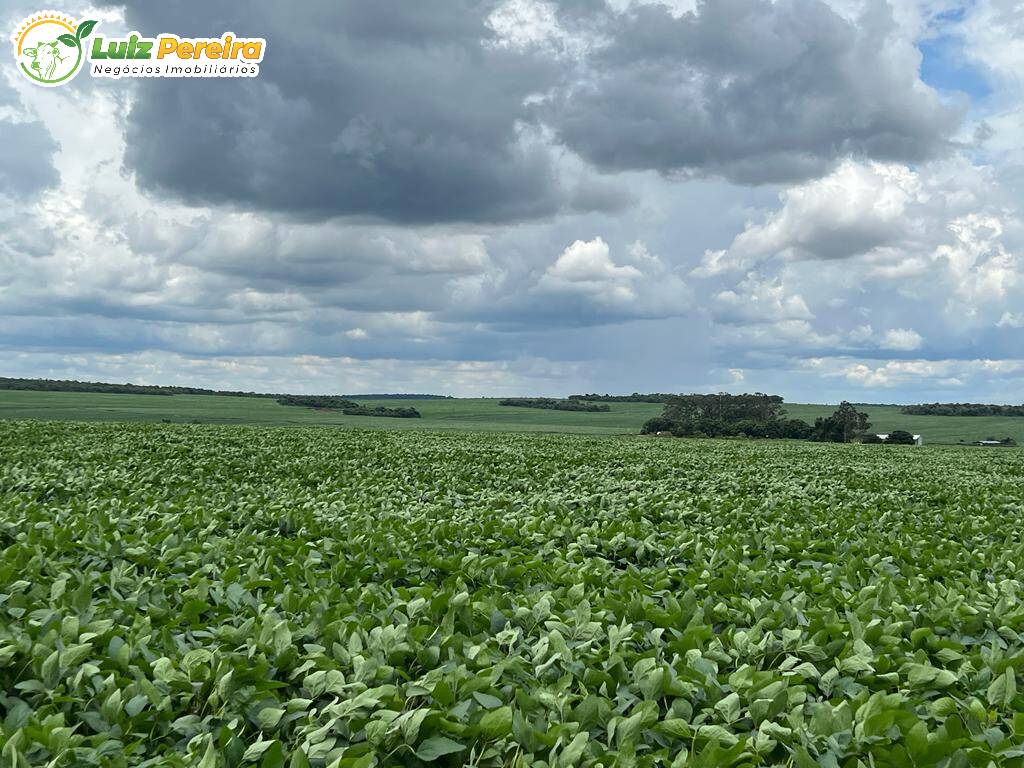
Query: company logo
[50,49]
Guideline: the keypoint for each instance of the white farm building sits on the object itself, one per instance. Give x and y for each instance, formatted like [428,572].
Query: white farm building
[917,438]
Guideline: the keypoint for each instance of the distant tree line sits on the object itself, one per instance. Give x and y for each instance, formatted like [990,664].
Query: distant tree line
[346,406]
[552,404]
[752,415]
[393,413]
[636,397]
[399,396]
[963,409]
[70,385]
[332,402]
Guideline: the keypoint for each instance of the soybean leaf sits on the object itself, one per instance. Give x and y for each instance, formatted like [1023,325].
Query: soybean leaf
[437,746]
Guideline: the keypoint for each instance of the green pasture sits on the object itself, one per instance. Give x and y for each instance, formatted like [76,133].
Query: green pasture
[463,414]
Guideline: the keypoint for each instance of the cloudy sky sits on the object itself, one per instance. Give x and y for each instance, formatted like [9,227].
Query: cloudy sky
[818,198]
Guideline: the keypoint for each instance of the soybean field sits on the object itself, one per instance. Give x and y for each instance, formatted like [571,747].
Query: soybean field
[220,596]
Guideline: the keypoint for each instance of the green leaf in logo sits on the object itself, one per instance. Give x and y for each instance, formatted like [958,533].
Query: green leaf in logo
[68,40]
[84,29]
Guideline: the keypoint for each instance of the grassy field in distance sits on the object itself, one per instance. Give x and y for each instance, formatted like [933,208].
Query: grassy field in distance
[463,414]
[934,429]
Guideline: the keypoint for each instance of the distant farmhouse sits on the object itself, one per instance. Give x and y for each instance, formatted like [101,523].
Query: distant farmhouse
[885,436]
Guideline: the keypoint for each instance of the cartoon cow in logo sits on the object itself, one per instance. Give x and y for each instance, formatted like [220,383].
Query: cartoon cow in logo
[45,58]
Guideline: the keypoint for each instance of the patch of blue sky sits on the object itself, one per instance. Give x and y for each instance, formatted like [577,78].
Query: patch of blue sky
[946,67]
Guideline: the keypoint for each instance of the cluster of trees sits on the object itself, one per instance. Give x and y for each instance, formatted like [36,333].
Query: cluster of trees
[752,415]
[332,402]
[793,429]
[393,413]
[552,404]
[722,415]
[346,406]
[725,407]
[71,385]
[845,425]
[636,397]
[963,409]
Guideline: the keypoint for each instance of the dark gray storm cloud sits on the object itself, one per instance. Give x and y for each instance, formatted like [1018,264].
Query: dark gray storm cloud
[26,151]
[753,90]
[389,109]
[420,112]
